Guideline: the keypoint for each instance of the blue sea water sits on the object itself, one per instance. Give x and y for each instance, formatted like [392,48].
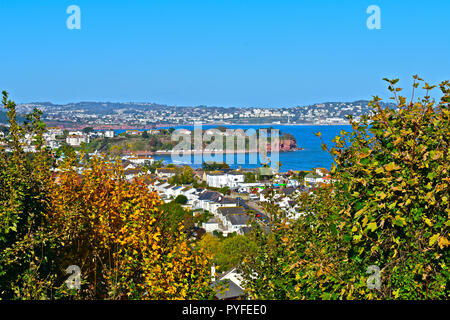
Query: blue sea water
[312,155]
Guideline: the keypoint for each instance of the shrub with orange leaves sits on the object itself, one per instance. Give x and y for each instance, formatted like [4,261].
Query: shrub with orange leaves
[111,228]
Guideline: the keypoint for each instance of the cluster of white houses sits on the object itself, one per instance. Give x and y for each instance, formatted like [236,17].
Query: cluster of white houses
[76,138]
[229,216]
[53,136]
[219,179]
[319,175]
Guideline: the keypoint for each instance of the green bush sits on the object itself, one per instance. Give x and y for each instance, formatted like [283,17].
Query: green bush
[389,208]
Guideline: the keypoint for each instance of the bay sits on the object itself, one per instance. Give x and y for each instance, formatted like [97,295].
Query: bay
[312,155]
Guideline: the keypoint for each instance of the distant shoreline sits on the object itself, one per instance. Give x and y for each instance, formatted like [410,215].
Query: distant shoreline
[253,124]
[189,153]
[126,127]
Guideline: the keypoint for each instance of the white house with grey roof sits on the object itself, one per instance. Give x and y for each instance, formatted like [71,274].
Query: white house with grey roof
[234,222]
[223,212]
[219,179]
[211,225]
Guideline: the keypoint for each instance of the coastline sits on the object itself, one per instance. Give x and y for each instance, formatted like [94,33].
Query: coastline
[132,127]
[211,152]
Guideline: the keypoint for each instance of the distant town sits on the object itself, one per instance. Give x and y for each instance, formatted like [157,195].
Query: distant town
[107,115]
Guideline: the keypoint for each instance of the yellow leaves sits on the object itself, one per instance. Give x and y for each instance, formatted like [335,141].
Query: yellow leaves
[399,221]
[372,226]
[396,293]
[392,166]
[433,239]
[364,221]
[115,220]
[428,222]
[319,272]
[364,154]
[360,212]
[435,155]
[379,170]
[443,242]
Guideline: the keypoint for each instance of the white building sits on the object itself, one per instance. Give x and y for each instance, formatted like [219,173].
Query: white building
[141,160]
[211,225]
[53,144]
[234,222]
[165,172]
[75,133]
[217,179]
[109,134]
[76,140]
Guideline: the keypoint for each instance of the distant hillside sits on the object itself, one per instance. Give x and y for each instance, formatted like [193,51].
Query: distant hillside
[145,114]
[4,118]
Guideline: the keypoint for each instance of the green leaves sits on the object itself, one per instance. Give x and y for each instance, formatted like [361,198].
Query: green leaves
[392,82]
[399,221]
[389,206]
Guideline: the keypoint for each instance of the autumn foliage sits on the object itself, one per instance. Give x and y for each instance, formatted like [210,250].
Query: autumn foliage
[53,217]
[111,228]
[388,208]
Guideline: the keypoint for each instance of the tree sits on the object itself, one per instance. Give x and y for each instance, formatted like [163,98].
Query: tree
[301,175]
[249,177]
[145,135]
[184,175]
[87,130]
[181,199]
[225,190]
[153,166]
[25,244]
[65,150]
[228,252]
[210,166]
[388,209]
[114,230]
[173,215]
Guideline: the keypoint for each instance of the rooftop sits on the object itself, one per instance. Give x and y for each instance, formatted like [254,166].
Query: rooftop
[238,219]
[231,210]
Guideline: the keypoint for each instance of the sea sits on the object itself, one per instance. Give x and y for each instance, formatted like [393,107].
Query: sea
[311,156]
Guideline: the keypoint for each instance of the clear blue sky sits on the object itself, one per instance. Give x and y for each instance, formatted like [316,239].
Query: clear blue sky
[219,52]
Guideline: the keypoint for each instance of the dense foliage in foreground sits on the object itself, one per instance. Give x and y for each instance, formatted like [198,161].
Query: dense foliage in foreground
[388,208]
[385,216]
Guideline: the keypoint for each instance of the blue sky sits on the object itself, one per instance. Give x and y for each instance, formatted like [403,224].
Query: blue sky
[219,52]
